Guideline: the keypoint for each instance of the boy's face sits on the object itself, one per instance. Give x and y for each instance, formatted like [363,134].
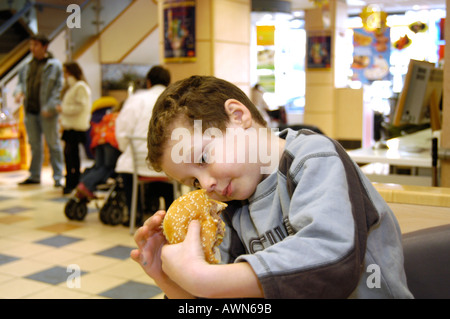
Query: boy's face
[223,163]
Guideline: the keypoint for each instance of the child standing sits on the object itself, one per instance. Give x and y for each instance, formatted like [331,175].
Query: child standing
[75,115]
[302,221]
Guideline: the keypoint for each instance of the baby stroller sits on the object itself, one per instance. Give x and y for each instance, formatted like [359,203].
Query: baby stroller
[104,145]
[111,213]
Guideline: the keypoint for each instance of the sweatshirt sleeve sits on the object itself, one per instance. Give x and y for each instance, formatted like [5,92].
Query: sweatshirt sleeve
[126,122]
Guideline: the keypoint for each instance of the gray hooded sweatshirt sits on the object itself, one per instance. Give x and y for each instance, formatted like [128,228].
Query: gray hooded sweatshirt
[317,228]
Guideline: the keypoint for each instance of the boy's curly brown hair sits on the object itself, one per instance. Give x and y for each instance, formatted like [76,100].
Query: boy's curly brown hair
[195,98]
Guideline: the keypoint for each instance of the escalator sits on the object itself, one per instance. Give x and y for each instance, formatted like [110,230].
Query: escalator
[100,20]
[19,19]
[13,42]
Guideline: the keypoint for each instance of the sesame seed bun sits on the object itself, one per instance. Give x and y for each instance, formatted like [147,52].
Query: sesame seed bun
[196,205]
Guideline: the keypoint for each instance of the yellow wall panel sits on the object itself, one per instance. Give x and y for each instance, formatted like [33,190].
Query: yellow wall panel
[319,98]
[319,77]
[232,21]
[202,66]
[203,19]
[222,42]
[349,114]
[235,70]
[315,20]
[324,121]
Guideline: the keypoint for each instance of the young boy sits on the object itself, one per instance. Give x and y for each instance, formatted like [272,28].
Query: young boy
[302,220]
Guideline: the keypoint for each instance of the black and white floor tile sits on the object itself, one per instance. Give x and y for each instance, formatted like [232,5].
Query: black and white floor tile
[45,255]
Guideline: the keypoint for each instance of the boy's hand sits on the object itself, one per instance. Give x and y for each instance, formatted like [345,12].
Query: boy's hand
[150,239]
[182,261]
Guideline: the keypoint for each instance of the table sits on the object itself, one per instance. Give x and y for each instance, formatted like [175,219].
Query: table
[406,153]
[417,207]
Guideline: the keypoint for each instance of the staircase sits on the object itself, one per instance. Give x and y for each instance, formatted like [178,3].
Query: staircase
[19,19]
[13,41]
[102,22]
[17,33]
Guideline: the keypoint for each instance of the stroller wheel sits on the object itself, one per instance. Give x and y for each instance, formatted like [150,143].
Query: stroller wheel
[75,209]
[104,214]
[115,215]
[69,209]
[81,211]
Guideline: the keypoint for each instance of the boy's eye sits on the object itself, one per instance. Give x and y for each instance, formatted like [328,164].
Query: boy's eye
[203,159]
[196,184]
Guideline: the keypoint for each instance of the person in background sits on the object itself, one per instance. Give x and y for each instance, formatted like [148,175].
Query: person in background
[75,113]
[257,97]
[38,88]
[133,121]
[104,147]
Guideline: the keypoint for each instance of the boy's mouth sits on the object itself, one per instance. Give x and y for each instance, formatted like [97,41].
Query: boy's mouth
[227,191]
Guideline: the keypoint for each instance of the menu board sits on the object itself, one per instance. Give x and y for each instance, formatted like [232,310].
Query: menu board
[371,55]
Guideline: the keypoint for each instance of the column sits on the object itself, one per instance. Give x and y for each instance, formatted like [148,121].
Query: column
[445,133]
[321,81]
[222,42]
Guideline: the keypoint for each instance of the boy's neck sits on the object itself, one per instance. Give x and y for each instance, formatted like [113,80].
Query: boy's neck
[275,147]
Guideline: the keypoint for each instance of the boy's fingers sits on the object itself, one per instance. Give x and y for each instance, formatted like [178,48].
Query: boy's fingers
[151,226]
[135,255]
[156,219]
[139,235]
[193,231]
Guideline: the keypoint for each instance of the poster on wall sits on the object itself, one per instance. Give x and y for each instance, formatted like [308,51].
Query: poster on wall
[179,31]
[265,35]
[265,40]
[318,51]
[119,77]
[372,50]
[266,59]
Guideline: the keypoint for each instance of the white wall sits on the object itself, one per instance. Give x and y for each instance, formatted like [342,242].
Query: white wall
[90,63]
[147,51]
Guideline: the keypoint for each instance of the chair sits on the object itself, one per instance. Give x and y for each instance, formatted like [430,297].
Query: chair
[297,127]
[427,260]
[140,160]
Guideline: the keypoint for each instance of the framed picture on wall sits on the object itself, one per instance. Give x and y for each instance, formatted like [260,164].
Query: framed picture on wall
[318,54]
[179,31]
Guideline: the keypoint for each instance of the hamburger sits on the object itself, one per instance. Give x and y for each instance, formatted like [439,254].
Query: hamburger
[196,205]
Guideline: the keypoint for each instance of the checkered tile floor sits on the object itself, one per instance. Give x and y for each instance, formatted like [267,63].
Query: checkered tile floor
[42,252]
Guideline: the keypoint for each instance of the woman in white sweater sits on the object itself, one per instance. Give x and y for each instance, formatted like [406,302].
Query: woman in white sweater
[133,120]
[75,112]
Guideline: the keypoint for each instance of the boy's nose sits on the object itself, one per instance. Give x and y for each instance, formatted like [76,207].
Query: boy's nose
[208,183]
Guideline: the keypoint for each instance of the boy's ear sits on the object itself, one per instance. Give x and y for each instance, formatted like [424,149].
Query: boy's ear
[238,113]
